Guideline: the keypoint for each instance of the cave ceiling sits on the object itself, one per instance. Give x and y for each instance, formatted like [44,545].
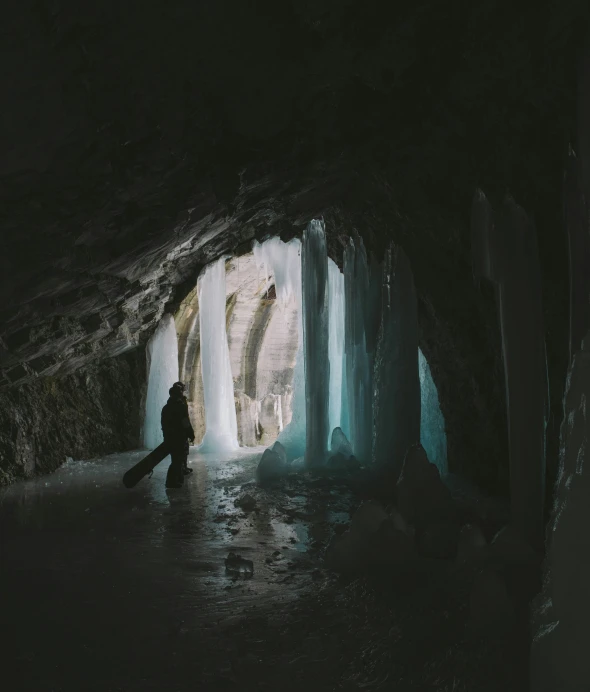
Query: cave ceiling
[142,140]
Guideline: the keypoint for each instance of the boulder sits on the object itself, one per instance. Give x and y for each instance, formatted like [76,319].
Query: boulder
[271,467]
[280,450]
[339,444]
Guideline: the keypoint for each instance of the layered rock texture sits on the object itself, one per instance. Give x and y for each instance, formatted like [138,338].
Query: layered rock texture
[147,141]
[92,412]
[262,339]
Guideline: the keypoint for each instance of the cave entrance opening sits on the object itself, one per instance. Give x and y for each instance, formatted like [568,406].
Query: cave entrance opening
[281,335]
[254,305]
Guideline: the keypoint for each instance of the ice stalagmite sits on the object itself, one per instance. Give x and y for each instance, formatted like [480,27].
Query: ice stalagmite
[433,436]
[314,284]
[284,261]
[162,352]
[338,408]
[358,362]
[221,428]
[561,614]
[576,220]
[396,379]
[504,245]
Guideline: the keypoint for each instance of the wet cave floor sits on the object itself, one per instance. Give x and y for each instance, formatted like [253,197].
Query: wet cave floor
[105,588]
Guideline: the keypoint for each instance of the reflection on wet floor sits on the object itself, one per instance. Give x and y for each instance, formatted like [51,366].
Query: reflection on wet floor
[99,577]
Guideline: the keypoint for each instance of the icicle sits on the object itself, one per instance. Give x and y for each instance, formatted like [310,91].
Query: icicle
[396,379]
[336,346]
[359,361]
[162,350]
[218,387]
[314,273]
[433,436]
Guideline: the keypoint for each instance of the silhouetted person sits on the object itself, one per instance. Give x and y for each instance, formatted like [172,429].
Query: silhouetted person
[181,386]
[177,430]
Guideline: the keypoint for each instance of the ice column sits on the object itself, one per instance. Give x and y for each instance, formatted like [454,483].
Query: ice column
[433,436]
[396,379]
[338,402]
[314,284]
[162,356]
[504,246]
[218,387]
[358,361]
[284,261]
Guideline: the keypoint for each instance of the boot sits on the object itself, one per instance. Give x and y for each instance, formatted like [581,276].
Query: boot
[173,478]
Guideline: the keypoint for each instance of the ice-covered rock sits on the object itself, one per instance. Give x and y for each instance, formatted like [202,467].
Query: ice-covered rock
[271,467]
[297,465]
[280,450]
[339,443]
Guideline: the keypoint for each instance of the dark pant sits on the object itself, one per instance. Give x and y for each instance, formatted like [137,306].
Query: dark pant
[178,462]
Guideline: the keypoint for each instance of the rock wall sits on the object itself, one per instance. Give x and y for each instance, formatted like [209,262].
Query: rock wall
[95,411]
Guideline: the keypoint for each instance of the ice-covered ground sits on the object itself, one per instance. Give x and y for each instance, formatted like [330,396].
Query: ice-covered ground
[106,588]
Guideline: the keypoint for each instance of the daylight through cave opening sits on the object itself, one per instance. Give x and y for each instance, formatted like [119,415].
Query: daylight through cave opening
[278,337]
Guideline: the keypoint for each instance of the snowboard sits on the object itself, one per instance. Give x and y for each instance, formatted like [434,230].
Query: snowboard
[147,464]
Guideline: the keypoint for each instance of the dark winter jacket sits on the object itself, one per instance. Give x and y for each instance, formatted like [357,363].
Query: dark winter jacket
[176,424]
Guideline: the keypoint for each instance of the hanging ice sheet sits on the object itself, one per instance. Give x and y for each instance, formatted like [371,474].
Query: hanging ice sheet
[433,436]
[314,273]
[283,260]
[218,386]
[338,405]
[162,350]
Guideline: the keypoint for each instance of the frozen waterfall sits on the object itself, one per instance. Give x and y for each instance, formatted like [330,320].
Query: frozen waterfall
[396,376]
[221,430]
[338,409]
[358,362]
[314,281]
[162,355]
[283,260]
[432,424]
